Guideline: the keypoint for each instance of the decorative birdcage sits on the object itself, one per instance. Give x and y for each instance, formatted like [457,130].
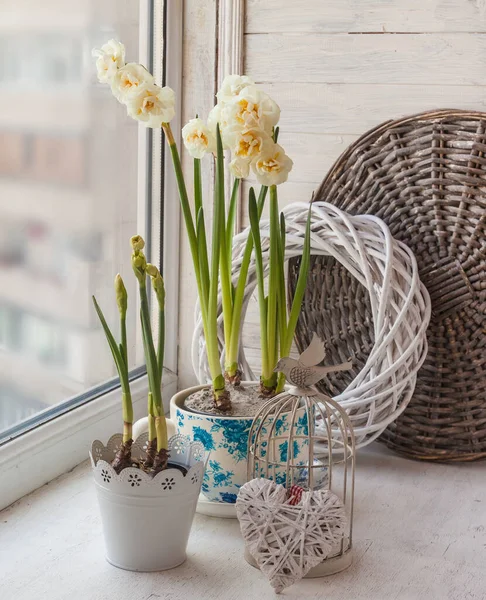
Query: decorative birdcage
[301,468]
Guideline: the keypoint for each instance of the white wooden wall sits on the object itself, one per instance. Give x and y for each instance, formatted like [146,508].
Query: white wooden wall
[339,67]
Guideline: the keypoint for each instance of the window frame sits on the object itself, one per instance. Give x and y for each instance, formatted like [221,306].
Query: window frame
[52,446]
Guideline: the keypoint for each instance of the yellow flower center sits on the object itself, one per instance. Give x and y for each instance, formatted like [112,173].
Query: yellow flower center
[128,82]
[149,104]
[195,138]
[269,165]
[249,146]
[247,110]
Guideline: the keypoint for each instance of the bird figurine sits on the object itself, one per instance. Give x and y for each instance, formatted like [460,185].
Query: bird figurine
[305,371]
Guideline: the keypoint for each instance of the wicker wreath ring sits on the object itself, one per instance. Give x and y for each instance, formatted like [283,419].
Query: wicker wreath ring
[400,307]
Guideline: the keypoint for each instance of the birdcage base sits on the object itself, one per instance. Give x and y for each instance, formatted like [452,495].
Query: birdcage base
[223,510]
[328,567]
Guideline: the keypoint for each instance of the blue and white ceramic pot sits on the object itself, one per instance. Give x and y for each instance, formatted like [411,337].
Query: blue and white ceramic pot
[226,438]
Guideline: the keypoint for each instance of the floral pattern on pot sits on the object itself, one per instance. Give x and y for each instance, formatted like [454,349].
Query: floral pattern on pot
[226,438]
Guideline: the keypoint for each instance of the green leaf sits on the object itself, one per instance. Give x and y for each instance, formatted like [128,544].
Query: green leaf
[122,353]
[262,303]
[230,222]
[282,296]
[283,231]
[149,348]
[115,350]
[300,286]
[203,261]
[239,293]
[152,372]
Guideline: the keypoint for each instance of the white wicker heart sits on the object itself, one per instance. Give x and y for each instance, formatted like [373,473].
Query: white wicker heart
[286,541]
[400,307]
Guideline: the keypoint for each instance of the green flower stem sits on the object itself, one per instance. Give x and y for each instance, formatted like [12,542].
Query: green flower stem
[159,289]
[217,242]
[197,186]
[186,209]
[202,247]
[270,378]
[225,267]
[227,290]
[152,434]
[159,421]
[203,264]
[149,349]
[161,344]
[161,429]
[239,296]
[207,289]
[127,411]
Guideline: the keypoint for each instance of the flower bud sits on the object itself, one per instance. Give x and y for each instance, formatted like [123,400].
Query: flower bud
[121,295]
[152,270]
[137,243]
[157,284]
[139,264]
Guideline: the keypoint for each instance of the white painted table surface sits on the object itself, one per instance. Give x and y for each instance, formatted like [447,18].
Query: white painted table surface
[420,533]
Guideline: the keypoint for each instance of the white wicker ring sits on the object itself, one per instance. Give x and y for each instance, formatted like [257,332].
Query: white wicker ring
[400,306]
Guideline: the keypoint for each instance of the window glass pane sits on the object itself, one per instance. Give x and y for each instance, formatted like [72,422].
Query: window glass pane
[68,200]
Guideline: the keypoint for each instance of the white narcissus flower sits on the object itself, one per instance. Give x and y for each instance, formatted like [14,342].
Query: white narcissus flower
[247,144]
[128,80]
[152,105]
[198,138]
[109,58]
[239,168]
[232,86]
[251,109]
[273,166]
[215,117]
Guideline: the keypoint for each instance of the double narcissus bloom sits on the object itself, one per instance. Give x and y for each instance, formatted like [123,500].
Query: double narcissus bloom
[246,116]
[109,58]
[134,86]
[198,138]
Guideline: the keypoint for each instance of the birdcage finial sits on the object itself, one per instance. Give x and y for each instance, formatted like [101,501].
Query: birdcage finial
[305,371]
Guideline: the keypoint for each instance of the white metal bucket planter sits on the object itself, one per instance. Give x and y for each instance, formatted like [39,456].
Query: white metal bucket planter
[147,521]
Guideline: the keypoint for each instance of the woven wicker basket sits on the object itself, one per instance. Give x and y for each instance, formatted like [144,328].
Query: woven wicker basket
[425,176]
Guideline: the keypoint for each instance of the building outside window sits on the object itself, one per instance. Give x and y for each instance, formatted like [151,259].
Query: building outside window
[69,200]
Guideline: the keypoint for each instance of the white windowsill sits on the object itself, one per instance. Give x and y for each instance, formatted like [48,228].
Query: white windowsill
[420,532]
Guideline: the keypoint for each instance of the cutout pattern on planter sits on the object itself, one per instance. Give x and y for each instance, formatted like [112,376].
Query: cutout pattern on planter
[181,450]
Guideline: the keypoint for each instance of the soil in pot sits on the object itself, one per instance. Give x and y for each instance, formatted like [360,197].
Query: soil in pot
[170,465]
[246,401]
